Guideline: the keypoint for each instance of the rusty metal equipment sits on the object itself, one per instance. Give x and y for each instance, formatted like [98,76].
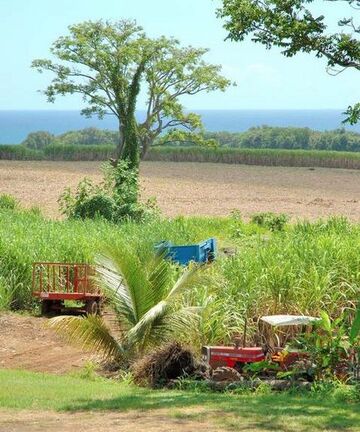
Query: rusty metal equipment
[236,356]
[231,356]
[54,282]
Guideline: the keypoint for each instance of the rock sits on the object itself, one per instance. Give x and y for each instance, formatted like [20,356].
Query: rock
[225,374]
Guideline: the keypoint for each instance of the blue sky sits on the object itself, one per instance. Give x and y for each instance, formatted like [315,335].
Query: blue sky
[265,79]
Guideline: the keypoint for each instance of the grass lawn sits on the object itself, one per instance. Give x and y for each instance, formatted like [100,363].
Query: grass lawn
[21,390]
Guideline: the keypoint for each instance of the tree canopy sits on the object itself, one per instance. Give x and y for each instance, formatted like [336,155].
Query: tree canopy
[294,27]
[177,71]
[107,63]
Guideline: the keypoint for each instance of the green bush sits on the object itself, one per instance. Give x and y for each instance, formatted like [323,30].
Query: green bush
[116,199]
[95,206]
[270,220]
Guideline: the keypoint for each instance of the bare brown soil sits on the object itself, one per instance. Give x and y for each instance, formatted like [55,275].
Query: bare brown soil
[201,188]
[99,421]
[26,343]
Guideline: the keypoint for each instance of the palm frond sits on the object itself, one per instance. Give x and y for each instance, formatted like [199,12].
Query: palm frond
[173,324]
[116,289]
[186,281]
[134,280]
[91,332]
[159,279]
[139,333]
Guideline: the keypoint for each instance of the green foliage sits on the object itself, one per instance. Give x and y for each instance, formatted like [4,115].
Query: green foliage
[328,346]
[78,153]
[106,63]
[19,152]
[355,328]
[145,295]
[305,269]
[173,73]
[265,157]
[183,138]
[88,372]
[84,137]
[289,138]
[88,136]
[8,202]
[115,199]
[38,140]
[294,28]
[270,220]
[260,367]
[95,206]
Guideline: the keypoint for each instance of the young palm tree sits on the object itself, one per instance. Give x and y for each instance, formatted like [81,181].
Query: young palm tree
[145,296]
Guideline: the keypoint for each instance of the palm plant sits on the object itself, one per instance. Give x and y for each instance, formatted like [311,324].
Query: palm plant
[145,295]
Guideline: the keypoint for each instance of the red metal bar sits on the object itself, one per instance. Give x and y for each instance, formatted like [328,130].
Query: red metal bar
[60,281]
[41,281]
[67,278]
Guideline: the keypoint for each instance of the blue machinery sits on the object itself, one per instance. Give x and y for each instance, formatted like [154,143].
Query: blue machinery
[202,252]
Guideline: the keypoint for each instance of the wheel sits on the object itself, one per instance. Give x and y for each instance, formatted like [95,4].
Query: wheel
[46,306]
[239,366]
[92,307]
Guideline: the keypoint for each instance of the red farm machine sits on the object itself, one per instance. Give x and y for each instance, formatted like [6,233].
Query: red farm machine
[237,356]
[55,283]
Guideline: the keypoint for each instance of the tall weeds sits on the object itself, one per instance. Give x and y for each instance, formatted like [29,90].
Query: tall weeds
[307,268]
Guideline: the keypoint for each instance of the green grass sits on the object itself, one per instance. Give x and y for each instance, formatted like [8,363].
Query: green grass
[283,412]
[266,157]
[307,268]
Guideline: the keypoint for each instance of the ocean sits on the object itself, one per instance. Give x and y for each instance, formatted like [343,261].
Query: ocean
[16,125]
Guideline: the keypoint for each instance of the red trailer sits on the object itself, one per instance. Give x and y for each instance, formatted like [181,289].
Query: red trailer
[231,356]
[53,283]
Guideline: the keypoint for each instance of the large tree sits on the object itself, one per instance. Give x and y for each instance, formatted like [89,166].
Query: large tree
[294,27]
[175,72]
[107,64]
[104,63]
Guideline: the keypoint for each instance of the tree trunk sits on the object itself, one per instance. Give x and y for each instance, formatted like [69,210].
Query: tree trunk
[121,142]
[145,145]
[131,142]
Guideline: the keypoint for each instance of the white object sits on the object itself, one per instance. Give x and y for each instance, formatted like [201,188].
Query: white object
[288,320]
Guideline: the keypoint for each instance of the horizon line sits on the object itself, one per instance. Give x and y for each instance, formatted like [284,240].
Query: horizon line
[194,109]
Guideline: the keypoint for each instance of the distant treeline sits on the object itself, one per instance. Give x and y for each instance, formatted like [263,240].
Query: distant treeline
[266,157]
[289,138]
[258,137]
[88,136]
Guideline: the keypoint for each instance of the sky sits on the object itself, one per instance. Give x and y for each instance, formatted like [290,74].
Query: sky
[265,79]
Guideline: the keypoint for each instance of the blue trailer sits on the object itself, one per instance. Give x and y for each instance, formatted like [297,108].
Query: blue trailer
[202,252]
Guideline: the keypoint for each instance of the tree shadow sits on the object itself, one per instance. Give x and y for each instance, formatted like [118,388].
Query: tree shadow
[266,412]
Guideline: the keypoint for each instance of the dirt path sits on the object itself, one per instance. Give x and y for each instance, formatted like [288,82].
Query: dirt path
[139,421]
[201,188]
[26,343]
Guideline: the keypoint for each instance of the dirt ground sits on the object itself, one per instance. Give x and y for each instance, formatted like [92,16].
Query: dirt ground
[26,343]
[44,421]
[201,188]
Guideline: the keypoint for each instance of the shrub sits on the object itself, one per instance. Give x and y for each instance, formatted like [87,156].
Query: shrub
[270,220]
[98,205]
[116,199]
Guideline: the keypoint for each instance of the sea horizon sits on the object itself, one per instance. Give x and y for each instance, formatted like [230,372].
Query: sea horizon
[15,125]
